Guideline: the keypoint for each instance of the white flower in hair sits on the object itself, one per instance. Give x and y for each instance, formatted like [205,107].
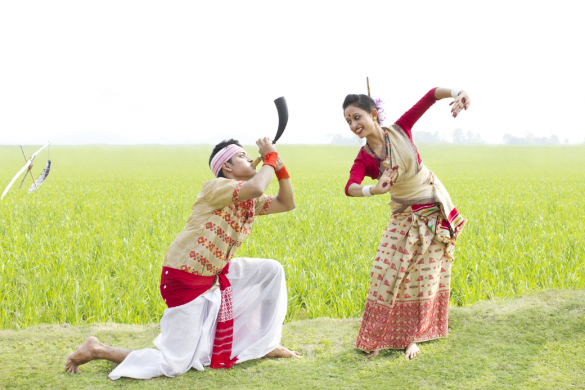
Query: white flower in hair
[380,107]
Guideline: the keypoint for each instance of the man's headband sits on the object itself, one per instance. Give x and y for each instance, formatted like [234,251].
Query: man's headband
[222,156]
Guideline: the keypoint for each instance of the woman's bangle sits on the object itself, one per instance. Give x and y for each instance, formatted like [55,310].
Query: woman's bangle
[366,191]
[270,159]
[282,174]
[455,92]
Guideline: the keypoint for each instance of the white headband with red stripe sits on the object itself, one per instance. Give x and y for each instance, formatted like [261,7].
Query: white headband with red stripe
[222,156]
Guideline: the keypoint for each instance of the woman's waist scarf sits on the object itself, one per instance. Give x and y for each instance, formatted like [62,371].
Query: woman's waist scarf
[179,287]
[424,188]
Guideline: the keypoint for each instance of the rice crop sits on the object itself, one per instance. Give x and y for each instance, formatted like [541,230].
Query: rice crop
[88,246]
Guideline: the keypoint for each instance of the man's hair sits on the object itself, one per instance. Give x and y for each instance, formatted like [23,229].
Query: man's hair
[219,147]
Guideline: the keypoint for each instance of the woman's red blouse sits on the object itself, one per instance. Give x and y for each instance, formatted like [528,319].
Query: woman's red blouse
[365,165]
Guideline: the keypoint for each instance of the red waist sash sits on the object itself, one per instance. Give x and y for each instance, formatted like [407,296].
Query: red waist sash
[179,287]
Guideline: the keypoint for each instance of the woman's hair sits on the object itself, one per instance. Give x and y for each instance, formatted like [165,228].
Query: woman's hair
[362,101]
[219,147]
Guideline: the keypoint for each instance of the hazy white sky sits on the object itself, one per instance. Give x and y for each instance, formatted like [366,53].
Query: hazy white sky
[198,72]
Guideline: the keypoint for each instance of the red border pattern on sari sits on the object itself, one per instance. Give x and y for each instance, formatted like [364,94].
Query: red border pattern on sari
[385,327]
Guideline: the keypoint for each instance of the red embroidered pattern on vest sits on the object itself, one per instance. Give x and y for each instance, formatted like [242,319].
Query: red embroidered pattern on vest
[235,220]
[186,268]
[220,233]
[236,194]
[214,250]
[266,205]
[203,261]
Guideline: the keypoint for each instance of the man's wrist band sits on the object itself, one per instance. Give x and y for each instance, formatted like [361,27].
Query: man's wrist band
[270,159]
[455,93]
[366,191]
[282,174]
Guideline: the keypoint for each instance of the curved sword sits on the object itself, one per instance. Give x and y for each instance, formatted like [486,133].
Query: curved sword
[28,163]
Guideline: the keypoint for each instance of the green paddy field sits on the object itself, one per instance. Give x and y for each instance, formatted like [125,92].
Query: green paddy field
[88,246]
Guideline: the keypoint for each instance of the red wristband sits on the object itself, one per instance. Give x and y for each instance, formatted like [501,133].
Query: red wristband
[282,174]
[270,159]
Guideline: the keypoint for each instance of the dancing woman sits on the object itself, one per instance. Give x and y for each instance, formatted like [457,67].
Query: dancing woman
[408,296]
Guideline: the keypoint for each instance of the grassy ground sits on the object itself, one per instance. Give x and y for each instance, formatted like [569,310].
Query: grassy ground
[532,342]
[88,246]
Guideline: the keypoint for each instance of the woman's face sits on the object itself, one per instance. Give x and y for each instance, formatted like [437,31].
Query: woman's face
[360,122]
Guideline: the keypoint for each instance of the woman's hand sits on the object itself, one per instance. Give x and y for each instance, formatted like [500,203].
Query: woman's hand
[461,102]
[386,181]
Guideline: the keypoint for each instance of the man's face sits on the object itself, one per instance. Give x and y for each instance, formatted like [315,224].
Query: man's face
[240,168]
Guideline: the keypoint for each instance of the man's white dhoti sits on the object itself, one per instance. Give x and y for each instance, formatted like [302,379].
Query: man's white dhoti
[188,331]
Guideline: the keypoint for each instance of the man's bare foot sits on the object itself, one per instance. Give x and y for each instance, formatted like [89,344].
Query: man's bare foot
[372,354]
[283,352]
[411,351]
[83,354]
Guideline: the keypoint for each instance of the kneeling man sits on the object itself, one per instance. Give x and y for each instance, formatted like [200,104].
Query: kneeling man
[221,310]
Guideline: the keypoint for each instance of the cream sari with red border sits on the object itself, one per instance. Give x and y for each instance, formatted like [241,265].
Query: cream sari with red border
[408,296]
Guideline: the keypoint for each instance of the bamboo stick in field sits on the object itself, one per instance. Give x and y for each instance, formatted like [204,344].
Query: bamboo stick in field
[29,171]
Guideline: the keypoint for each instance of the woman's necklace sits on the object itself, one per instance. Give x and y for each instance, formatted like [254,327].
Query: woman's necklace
[388,159]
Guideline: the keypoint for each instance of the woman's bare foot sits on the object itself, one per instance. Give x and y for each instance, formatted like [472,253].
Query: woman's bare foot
[411,351]
[283,352]
[372,354]
[85,353]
